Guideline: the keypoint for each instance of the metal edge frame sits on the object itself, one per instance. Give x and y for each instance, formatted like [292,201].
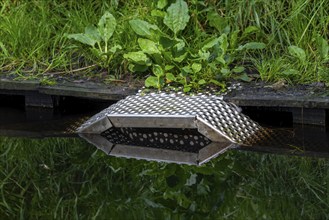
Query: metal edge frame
[152,121]
[154,154]
[98,141]
[213,150]
[96,127]
[211,132]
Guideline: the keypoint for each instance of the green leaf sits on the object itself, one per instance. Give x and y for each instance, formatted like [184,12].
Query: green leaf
[93,33]
[180,57]
[137,68]
[252,46]
[179,46]
[187,69]
[106,26]
[166,42]
[161,4]
[151,81]
[170,77]
[184,72]
[196,67]
[290,72]
[216,21]
[82,38]
[96,52]
[250,30]
[223,43]
[244,77]
[297,52]
[158,13]
[148,46]
[187,88]
[221,60]
[192,180]
[210,44]
[177,16]
[234,39]
[217,83]
[169,67]
[142,28]
[238,69]
[138,58]
[115,48]
[202,189]
[167,55]
[225,71]
[203,55]
[202,82]
[4,49]
[322,47]
[157,70]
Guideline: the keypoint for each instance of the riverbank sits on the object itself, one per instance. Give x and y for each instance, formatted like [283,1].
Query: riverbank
[307,103]
[212,43]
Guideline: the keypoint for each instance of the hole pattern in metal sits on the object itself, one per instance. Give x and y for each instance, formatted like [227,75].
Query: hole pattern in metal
[187,140]
[224,117]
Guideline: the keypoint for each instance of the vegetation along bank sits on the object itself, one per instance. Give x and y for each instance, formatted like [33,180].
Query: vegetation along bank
[189,44]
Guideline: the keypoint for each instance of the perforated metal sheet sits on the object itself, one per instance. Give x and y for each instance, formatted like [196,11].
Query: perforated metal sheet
[187,140]
[209,114]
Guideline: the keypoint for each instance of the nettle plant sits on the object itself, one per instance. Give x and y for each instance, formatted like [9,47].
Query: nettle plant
[173,61]
[98,39]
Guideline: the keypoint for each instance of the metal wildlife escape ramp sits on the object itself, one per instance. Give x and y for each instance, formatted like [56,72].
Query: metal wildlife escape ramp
[170,127]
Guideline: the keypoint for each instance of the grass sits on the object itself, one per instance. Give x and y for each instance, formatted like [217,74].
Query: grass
[32,35]
[32,38]
[67,179]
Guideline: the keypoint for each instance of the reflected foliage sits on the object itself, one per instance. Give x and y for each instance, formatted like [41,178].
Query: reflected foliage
[69,179]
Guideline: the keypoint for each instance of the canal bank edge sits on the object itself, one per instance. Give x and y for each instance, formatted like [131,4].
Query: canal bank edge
[302,100]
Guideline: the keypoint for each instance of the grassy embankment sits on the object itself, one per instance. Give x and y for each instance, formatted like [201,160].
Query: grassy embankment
[68,179]
[209,43]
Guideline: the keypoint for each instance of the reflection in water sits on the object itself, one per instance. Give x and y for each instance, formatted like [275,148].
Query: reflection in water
[65,178]
[18,120]
[300,140]
[168,144]
[165,144]
[166,150]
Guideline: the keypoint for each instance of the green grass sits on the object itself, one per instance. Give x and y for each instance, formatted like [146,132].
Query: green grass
[69,179]
[32,35]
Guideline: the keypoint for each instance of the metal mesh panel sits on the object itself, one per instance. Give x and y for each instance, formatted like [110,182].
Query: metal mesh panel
[225,117]
[222,117]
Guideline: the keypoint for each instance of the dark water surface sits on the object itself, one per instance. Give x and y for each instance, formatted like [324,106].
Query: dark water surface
[47,172]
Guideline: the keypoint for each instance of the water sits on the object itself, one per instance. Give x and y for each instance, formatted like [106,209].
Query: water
[64,177]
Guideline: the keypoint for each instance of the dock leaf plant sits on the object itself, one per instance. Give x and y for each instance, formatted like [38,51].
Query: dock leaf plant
[174,61]
[97,38]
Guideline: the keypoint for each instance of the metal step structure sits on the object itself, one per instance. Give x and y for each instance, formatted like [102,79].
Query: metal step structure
[170,127]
